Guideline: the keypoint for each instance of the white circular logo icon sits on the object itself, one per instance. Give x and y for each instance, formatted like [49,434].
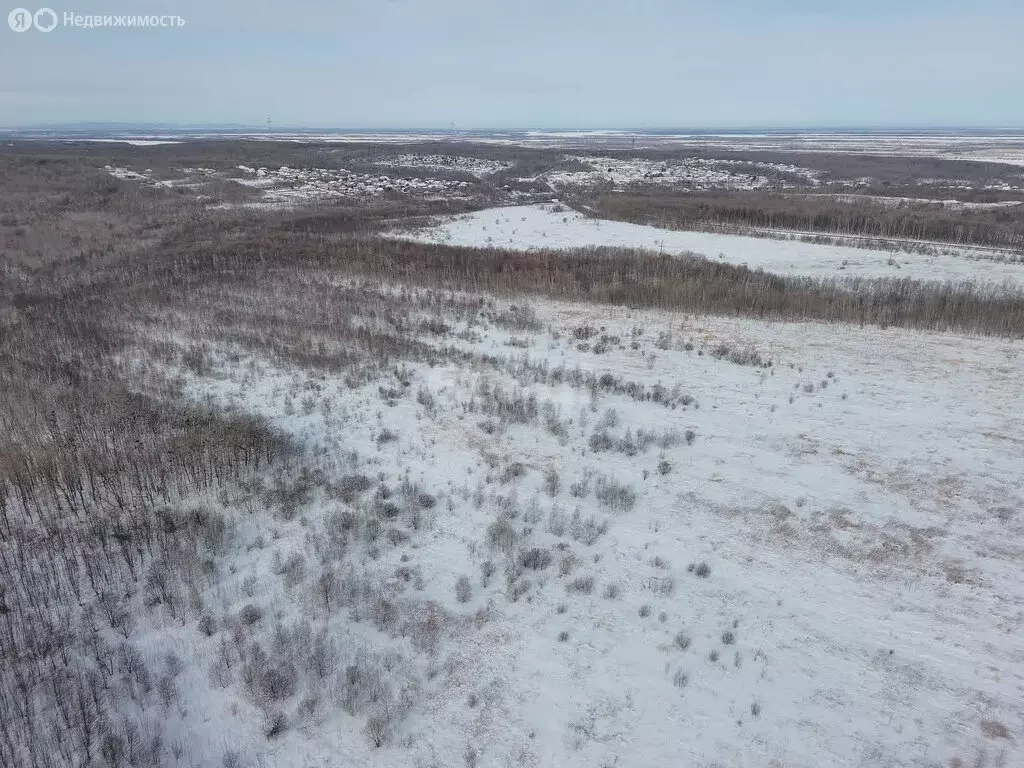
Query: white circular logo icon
[45,20]
[20,20]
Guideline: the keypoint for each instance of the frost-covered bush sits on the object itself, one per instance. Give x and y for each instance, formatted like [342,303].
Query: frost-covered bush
[463,589]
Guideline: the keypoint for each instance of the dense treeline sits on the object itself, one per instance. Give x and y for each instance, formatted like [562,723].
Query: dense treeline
[634,278]
[999,227]
[90,470]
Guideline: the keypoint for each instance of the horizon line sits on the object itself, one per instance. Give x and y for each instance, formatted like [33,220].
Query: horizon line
[118,125]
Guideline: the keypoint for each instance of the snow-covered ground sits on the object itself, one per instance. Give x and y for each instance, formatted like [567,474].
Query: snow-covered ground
[135,142]
[554,226]
[688,174]
[816,562]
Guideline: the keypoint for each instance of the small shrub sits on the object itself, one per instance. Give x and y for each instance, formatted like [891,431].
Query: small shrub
[661,585]
[377,730]
[702,570]
[690,436]
[396,536]
[552,482]
[682,641]
[713,656]
[566,564]
[278,683]
[581,488]
[612,592]
[728,638]
[293,570]
[535,558]
[600,441]
[350,487]
[207,625]
[557,523]
[645,611]
[389,510]
[517,589]
[614,495]
[386,436]
[563,636]
[250,614]
[275,725]
[610,418]
[425,398]
[513,471]
[501,535]
[587,531]
[755,709]
[627,444]
[581,585]
[463,589]
[680,679]
[249,586]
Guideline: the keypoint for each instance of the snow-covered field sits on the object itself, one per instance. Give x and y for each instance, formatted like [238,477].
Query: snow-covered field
[135,142]
[677,552]
[555,226]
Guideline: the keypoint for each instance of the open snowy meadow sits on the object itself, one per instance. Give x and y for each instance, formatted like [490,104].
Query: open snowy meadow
[598,536]
[547,226]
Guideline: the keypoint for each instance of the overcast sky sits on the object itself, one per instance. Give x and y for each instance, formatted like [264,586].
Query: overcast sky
[526,64]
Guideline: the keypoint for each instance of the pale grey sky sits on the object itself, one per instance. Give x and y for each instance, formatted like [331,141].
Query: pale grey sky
[526,64]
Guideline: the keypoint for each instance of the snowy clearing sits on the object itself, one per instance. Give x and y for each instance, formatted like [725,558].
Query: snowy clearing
[134,142]
[553,226]
[691,560]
